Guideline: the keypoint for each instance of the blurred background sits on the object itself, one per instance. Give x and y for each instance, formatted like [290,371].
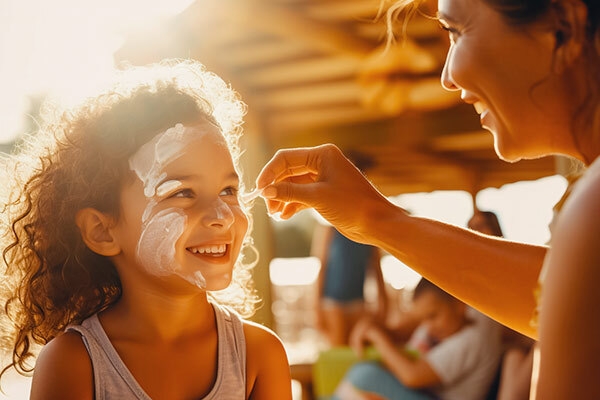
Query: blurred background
[311,72]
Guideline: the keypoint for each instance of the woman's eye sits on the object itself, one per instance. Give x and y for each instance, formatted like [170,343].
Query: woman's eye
[453,33]
[229,191]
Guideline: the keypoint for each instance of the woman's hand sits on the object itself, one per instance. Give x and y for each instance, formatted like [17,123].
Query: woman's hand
[322,178]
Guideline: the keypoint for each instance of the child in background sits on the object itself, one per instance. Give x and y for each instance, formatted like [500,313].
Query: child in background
[453,354]
[125,252]
[517,357]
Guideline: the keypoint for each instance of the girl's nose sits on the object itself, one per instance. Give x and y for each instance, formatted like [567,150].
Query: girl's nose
[218,215]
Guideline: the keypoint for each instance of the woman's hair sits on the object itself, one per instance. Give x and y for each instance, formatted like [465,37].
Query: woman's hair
[586,122]
[79,159]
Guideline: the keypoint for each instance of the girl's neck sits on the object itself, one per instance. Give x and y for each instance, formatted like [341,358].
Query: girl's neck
[160,317]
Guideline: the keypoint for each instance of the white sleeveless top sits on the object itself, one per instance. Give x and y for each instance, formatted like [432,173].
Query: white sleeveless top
[112,379]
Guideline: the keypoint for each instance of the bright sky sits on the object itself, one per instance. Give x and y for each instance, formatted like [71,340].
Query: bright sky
[56,46]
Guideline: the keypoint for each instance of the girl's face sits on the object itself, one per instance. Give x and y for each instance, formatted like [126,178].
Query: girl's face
[506,72]
[442,318]
[181,217]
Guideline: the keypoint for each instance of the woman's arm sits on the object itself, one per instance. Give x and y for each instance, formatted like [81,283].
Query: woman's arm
[267,367]
[496,276]
[63,370]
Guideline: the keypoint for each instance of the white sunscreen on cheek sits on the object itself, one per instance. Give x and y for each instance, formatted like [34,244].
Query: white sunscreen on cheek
[156,247]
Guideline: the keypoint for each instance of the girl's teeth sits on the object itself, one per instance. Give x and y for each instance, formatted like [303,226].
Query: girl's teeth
[210,249]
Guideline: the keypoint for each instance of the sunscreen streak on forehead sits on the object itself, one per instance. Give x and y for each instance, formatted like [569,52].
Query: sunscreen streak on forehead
[149,161]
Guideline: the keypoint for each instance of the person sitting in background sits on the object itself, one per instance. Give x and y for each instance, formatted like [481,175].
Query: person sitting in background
[454,353]
[340,300]
[517,358]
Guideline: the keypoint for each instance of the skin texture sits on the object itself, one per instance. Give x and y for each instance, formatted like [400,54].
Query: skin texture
[526,82]
[163,327]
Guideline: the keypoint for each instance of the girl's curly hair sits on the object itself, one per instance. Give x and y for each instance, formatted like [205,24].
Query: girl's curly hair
[78,159]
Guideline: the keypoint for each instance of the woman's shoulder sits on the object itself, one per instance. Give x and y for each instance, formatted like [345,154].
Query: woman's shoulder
[576,235]
[583,200]
[63,369]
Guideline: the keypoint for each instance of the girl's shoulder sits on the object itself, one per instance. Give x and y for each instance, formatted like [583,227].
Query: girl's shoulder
[63,369]
[268,371]
[259,334]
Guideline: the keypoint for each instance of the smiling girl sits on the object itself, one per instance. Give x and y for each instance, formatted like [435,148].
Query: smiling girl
[125,253]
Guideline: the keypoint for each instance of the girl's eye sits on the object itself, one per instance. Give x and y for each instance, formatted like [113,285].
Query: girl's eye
[183,193]
[229,191]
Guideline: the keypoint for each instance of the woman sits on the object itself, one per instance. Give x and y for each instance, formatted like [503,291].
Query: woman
[531,70]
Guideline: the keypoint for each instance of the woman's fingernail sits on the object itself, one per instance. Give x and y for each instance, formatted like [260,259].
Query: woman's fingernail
[269,192]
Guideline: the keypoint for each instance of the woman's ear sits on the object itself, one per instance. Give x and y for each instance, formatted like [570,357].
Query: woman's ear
[570,36]
[94,227]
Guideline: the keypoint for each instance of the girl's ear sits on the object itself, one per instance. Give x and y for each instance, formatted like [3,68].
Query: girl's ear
[96,233]
[571,24]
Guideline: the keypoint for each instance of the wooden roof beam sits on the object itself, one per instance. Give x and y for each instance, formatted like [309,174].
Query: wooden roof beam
[269,17]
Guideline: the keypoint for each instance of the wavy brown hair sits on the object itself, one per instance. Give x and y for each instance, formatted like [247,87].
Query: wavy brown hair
[79,159]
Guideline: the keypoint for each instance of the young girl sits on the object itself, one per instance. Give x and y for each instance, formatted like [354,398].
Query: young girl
[126,224]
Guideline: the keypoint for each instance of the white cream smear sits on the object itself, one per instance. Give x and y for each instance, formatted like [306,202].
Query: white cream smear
[160,231]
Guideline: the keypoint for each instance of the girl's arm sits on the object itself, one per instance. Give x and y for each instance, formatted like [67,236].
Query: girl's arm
[63,370]
[412,372]
[496,276]
[267,367]
[382,298]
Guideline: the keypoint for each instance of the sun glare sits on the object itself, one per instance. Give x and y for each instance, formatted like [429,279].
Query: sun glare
[63,49]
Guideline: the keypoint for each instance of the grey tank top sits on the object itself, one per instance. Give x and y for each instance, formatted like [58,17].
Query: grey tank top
[112,379]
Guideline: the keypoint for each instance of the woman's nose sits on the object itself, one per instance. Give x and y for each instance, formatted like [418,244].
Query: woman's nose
[447,81]
[218,215]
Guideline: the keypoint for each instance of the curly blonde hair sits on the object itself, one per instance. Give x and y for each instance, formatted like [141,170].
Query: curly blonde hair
[78,159]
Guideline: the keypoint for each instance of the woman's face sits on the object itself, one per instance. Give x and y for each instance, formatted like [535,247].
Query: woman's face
[506,72]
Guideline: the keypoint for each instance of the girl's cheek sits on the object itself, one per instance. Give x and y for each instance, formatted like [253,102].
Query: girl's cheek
[156,246]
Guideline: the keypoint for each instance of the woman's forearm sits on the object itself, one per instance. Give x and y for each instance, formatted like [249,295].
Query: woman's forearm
[496,276]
